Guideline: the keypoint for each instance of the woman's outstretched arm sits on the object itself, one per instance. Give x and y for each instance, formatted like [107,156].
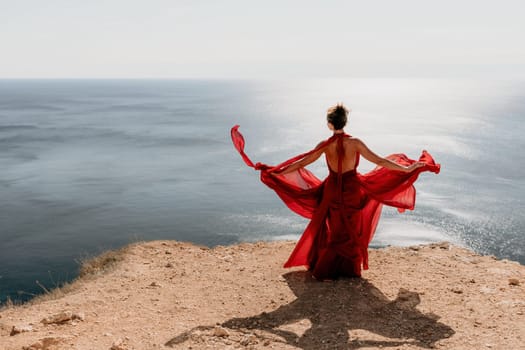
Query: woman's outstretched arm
[374,158]
[301,163]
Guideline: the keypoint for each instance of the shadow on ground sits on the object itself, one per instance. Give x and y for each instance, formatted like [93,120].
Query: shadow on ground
[337,313]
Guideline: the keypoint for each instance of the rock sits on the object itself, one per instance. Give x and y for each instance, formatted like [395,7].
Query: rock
[19,329]
[119,344]
[35,346]
[486,290]
[220,332]
[59,318]
[249,340]
[404,294]
[457,290]
[79,316]
[44,344]
[154,284]
[441,245]
[169,265]
[514,282]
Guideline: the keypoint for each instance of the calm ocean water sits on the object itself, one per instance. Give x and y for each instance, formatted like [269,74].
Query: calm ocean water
[90,165]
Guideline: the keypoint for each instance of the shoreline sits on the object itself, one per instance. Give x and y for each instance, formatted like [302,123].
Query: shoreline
[88,265]
[168,294]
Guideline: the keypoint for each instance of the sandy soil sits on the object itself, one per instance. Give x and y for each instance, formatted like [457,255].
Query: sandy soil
[173,295]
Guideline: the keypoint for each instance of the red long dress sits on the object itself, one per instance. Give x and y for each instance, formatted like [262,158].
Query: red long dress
[344,208]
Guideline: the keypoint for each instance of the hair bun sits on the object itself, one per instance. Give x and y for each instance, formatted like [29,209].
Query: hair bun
[337,115]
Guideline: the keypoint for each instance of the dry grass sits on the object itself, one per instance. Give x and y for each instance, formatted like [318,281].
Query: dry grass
[103,262]
[54,293]
[8,303]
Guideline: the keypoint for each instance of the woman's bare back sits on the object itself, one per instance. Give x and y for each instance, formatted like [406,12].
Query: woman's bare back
[349,157]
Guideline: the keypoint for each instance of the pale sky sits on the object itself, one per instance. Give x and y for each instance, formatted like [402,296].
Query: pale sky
[261,39]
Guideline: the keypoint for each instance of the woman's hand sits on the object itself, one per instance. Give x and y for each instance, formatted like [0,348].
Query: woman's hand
[414,166]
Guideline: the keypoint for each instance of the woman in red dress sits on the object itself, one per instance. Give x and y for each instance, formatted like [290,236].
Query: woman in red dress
[344,208]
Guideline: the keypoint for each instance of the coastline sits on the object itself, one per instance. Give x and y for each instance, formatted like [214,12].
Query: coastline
[169,294]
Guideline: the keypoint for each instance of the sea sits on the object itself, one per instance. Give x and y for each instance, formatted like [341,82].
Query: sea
[92,165]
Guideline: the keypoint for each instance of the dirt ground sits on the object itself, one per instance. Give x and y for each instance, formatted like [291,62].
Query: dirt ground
[173,295]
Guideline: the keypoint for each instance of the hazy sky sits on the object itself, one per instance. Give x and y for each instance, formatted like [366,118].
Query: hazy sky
[269,39]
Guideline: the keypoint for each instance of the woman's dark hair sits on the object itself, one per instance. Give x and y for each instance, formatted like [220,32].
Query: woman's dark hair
[337,116]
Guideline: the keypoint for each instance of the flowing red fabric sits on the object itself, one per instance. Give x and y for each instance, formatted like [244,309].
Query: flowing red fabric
[343,209]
